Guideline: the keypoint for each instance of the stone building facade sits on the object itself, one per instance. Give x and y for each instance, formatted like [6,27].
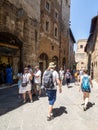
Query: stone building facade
[80,55]
[34,32]
[19,33]
[92,49]
[71,50]
[54,33]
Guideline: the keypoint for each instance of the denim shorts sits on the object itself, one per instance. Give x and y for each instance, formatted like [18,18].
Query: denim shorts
[51,96]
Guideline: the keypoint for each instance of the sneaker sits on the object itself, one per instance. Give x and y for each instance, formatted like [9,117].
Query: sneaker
[84,108]
[31,101]
[83,104]
[38,96]
[49,118]
[24,101]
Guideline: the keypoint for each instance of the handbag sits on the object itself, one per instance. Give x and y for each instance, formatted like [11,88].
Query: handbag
[24,84]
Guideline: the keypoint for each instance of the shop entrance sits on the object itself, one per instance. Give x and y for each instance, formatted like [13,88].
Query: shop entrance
[10,57]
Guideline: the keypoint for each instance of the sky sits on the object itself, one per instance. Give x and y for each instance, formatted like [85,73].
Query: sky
[82,11]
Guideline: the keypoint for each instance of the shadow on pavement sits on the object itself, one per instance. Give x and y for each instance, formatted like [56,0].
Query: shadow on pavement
[9,100]
[59,111]
[70,86]
[89,105]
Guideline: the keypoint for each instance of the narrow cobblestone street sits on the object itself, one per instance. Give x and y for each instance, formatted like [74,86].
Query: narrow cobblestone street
[68,112]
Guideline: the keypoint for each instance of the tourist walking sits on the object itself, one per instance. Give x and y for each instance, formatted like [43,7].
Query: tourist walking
[37,81]
[68,77]
[19,76]
[9,75]
[86,84]
[26,85]
[50,80]
[61,74]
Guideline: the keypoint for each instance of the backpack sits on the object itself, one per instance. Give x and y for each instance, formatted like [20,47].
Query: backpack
[48,79]
[85,83]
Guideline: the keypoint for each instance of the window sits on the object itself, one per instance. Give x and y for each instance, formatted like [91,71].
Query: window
[52,47]
[55,31]
[47,26]
[66,1]
[20,12]
[82,63]
[47,5]
[56,15]
[81,46]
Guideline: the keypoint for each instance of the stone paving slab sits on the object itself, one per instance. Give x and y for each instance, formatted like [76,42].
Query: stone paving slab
[68,111]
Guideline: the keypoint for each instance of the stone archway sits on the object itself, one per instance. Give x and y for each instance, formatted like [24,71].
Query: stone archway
[43,61]
[11,51]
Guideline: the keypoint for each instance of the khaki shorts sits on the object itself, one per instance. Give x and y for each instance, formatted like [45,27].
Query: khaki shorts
[37,87]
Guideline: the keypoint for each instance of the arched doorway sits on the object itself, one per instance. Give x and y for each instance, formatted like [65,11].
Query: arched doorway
[55,60]
[10,53]
[43,61]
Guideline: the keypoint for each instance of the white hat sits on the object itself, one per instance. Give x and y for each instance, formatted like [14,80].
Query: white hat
[52,65]
[26,68]
[36,66]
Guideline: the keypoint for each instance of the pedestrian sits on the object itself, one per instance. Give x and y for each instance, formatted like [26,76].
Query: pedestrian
[77,77]
[61,74]
[9,78]
[37,81]
[86,84]
[50,80]
[26,85]
[68,77]
[19,76]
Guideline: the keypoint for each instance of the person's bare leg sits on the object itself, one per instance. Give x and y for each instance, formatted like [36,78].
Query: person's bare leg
[24,97]
[30,96]
[40,92]
[50,110]
[86,99]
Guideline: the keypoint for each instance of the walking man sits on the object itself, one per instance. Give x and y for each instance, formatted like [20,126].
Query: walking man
[50,81]
[68,77]
[37,81]
[61,74]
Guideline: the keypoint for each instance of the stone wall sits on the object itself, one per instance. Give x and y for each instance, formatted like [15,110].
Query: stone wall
[94,60]
[81,56]
[57,46]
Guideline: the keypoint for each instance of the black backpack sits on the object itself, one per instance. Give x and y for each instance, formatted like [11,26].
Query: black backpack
[48,79]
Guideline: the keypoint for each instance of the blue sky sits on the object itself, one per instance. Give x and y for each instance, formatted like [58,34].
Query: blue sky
[82,11]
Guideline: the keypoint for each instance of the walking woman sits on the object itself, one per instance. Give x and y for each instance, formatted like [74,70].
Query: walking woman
[26,85]
[86,85]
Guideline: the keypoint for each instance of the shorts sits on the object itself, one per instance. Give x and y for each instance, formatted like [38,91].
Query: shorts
[86,90]
[51,96]
[68,81]
[37,87]
[61,78]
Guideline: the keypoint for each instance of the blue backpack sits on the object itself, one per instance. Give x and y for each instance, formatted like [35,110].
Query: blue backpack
[85,83]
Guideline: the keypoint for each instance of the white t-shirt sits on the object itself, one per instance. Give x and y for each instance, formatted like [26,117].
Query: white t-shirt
[26,78]
[61,73]
[37,79]
[55,77]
